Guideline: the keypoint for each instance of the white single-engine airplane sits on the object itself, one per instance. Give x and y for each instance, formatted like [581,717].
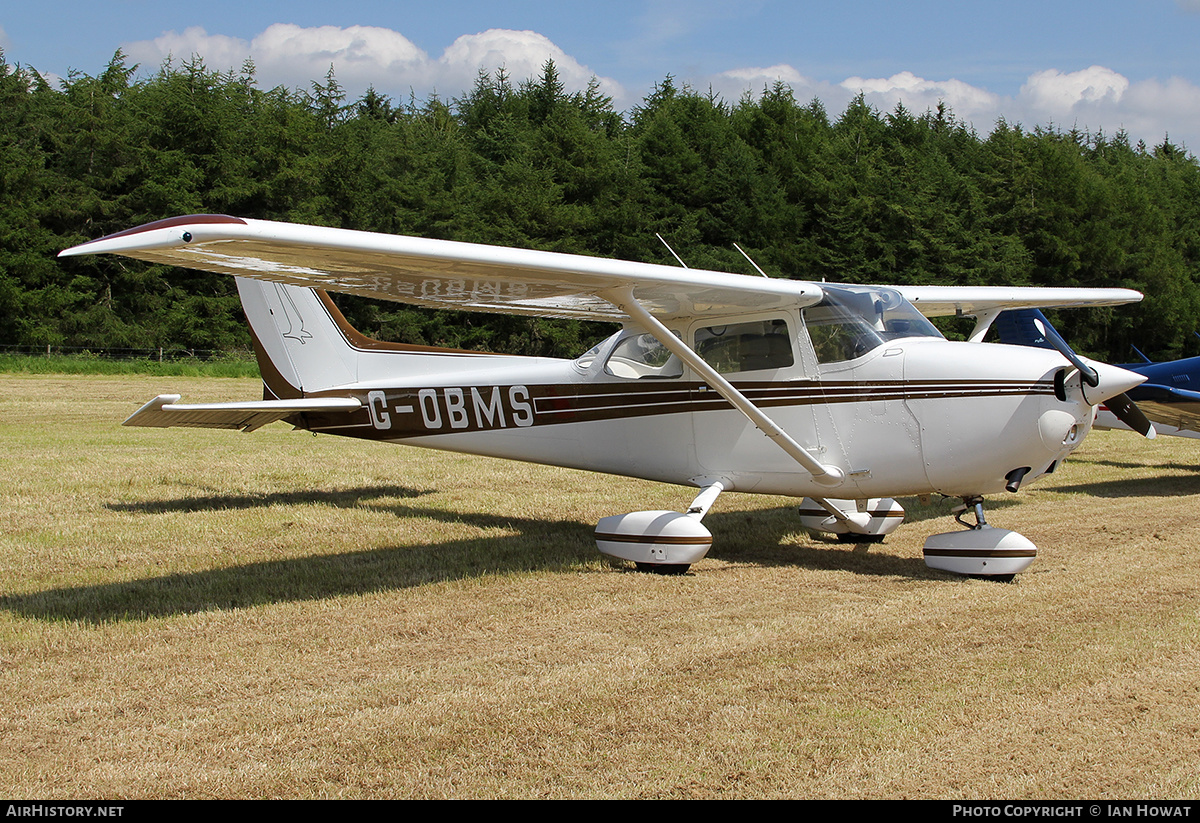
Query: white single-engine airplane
[844,395]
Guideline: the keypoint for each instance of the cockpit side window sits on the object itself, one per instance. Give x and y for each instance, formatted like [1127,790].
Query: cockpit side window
[641,356]
[838,334]
[749,346]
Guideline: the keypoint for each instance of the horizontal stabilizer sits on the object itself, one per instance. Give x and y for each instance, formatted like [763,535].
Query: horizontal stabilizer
[165,411]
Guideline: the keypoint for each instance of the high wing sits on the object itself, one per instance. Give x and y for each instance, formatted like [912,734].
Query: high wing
[466,276]
[939,301]
[442,273]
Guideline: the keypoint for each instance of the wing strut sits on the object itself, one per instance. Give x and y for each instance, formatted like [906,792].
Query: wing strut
[822,473]
[983,322]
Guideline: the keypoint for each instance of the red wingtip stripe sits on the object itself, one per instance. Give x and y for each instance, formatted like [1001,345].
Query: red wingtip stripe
[185,220]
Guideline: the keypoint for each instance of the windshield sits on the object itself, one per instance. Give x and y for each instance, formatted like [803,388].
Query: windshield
[853,320]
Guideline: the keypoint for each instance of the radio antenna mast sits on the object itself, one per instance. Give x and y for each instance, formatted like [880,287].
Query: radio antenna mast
[671,250]
[752,263]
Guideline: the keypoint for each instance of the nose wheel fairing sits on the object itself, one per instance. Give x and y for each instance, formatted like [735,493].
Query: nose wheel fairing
[978,550]
[985,551]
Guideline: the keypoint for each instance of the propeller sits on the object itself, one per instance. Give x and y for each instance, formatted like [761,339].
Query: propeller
[1125,410]
[1029,327]
[1050,335]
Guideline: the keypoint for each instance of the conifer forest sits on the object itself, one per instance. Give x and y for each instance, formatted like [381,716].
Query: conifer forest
[857,196]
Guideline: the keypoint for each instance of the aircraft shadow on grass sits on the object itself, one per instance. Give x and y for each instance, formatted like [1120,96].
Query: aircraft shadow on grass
[341,498]
[1171,486]
[756,537]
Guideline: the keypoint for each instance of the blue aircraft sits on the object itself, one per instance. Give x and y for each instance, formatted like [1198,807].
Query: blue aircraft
[1170,397]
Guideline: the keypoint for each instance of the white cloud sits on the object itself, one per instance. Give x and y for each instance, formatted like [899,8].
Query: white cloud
[916,93]
[1092,99]
[521,53]
[1099,98]
[919,95]
[293,56]
[735,83]
[1055,92]
[357,52]
[218,51]
[768,76]
[1152,110]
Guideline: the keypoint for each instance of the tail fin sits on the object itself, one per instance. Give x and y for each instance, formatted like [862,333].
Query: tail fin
[1023,327]
[305,345]
[300,345]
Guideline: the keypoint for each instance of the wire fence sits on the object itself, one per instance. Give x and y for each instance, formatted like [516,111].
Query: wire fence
[161,354]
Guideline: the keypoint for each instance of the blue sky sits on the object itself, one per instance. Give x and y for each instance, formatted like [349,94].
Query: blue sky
[1104,64]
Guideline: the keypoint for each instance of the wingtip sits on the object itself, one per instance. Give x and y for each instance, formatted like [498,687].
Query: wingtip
[169,232]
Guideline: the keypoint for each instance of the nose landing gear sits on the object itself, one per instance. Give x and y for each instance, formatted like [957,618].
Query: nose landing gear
[970,503]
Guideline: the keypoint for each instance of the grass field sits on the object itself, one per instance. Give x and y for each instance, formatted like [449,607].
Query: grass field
[240,364]
[214,614]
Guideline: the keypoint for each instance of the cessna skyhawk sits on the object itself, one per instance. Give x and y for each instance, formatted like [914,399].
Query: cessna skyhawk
[844,395]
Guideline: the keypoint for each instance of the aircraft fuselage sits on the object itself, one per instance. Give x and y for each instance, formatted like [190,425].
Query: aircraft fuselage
[892,419]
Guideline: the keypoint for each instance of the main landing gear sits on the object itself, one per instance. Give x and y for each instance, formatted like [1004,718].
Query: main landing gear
[852,521]
[979,550]
[661,542]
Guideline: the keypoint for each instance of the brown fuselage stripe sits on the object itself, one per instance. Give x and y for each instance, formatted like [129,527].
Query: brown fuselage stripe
[1001,553]
[554,404]
[649,538]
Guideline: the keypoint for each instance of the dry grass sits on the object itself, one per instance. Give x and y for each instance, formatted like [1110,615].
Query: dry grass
[211,614]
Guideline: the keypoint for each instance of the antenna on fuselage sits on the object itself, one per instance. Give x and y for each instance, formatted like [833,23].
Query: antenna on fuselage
[752,263]
[671,250]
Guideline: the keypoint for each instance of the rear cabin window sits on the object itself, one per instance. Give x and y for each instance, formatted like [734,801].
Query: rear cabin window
[739,347]
[641,356]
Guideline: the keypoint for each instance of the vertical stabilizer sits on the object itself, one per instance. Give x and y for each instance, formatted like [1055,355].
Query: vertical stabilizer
[299,346]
